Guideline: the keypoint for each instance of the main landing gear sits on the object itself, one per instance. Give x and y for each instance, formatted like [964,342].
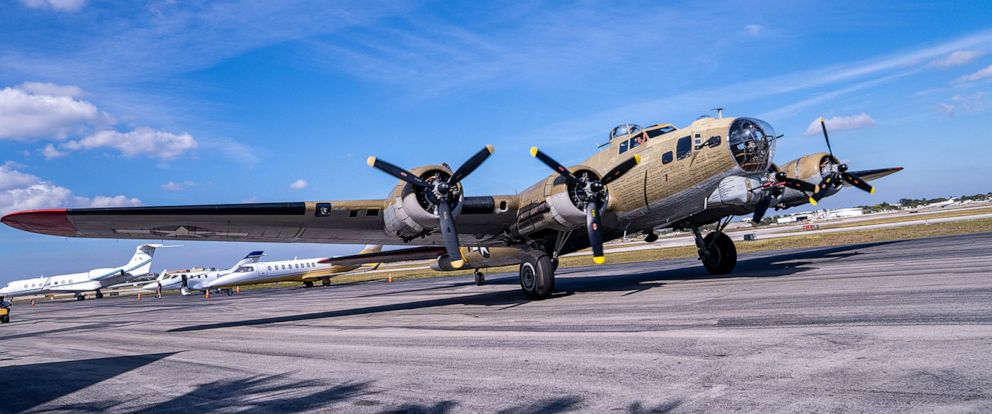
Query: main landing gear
[716,251]
[325,281]
[537,275]
[79,296]
[308,284]
[480,279]
[99,294]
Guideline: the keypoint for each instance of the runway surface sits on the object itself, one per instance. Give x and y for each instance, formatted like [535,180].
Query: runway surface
[897,326]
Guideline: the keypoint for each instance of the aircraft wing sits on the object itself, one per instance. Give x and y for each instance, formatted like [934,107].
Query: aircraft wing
[389,256]
[335,222]
[869,175]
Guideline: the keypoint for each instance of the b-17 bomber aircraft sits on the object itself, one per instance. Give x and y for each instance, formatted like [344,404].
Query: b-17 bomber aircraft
[643,179]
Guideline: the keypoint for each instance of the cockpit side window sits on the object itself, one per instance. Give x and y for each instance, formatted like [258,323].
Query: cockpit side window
[660,131]
[623,147]
[245,269]
[684,148]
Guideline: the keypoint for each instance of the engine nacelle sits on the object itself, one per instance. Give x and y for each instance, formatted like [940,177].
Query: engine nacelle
[410,213]
[737,193]
[552,204]
[810,168]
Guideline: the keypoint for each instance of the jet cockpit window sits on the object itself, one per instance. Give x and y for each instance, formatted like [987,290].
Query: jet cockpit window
[752,142]
[245,269]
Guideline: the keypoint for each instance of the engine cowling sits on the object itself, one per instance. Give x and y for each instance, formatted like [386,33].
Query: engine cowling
[410,212]
[553,204]
[809,168]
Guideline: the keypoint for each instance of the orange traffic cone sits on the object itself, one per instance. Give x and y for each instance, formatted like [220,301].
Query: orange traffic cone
[237,289]
[390,280]
[139,296]
[207,295]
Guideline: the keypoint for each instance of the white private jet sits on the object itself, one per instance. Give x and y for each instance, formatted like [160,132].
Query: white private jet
[93,280]
[187,282]
[296,270]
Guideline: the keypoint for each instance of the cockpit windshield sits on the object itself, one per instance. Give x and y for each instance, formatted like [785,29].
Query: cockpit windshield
[752,142]
[245,269]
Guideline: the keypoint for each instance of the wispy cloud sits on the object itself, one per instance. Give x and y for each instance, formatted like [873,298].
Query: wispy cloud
[983,73]
[57,5]
[841,123]
[957,58]
[298,184]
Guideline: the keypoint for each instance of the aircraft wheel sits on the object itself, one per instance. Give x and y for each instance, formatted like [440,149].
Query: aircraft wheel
[480,279]
[5,319]
[537,276]
[722,255]
[325,281]
[99,294]
[308,284]
[229,292]
[80,297]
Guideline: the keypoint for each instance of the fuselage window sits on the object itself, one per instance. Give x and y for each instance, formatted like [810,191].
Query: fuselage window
[684,147]
[638,140]
[623,147]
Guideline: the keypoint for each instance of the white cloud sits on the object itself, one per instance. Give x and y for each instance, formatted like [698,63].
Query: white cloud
[968,103]
[50,89]
[141,141]
[841,123]
[50,152]
[23,191]
[298,185]
[956,58]
[29,114]
[754,29]
[947,109]
[57,5]
[984,73]
[174,186]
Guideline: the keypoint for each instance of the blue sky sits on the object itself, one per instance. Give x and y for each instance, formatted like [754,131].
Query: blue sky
[173,102]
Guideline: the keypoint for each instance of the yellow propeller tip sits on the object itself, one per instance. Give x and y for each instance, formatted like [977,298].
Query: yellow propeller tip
[821,120]
[370,161]
[637,158]
[457,264]
[533,151]
[490,148]
[598,259]
[812,201]
[872,191]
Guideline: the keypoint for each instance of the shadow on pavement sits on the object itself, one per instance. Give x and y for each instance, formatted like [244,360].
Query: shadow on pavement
[765,266]
[28,386]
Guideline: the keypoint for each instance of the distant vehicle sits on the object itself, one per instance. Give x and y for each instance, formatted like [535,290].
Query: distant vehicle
[187,282]
[4,312]
[93,280]
[297,270]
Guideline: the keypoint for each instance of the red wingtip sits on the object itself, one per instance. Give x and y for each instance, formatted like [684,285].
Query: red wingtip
[324,261]
[53,221]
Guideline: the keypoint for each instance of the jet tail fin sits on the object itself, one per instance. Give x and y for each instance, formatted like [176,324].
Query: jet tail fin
[252,257]
[141,261]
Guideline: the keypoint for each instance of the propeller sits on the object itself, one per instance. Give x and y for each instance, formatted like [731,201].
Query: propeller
[442,193]
[772,189]
[838,174]
[591,191]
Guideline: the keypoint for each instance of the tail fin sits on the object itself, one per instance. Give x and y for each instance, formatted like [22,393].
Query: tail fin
[141,262]
[250,258]
[371,248]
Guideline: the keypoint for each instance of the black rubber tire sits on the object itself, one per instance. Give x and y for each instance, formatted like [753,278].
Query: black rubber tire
[5,319]
[724,257]
[480,279]
[537,276]
[80,297]
[99,294]
[325,281]
[308,284]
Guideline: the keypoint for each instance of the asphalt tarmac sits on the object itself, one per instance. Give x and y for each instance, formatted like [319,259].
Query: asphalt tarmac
[884,327]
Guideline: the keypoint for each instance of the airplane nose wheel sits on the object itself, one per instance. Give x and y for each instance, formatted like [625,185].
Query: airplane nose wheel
[480,279]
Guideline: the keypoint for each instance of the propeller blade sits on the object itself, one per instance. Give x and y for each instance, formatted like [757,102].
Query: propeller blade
[858,182]
[760,209]
[470,165]
[449,234]
[560,169]
[594,227]
[823,126]
[621,169]
[800,185]
[396,172]
[821,190]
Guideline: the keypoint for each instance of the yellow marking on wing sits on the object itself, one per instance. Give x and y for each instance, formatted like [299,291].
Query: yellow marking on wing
[371,161]
[821,120]
[599,259]
[872,191]
[637,158]
[457,264]
[533,151]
